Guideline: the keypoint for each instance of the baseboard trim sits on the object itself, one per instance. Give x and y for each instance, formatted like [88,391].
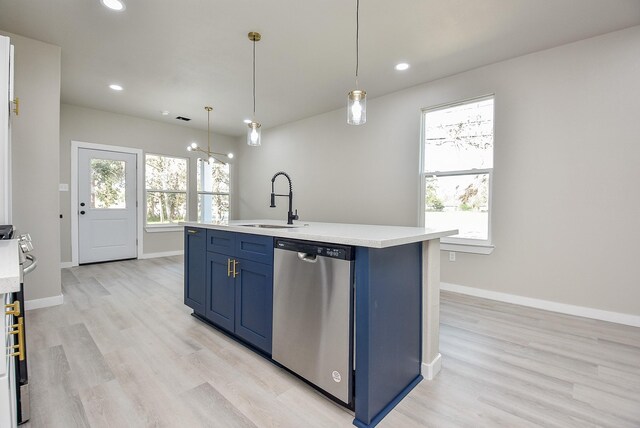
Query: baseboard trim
[162,254]
[65,265]
[44,303]
[431,370]
[547,305]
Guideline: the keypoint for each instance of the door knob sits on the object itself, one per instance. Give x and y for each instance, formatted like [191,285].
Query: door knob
[82,204]
[82,212]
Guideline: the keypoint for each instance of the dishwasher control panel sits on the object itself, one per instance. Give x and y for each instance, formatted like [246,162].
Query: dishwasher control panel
[333,251]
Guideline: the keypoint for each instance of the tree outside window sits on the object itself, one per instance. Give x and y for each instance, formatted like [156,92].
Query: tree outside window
[166,189]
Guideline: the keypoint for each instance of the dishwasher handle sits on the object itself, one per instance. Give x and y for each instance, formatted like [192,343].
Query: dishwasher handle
[306,257]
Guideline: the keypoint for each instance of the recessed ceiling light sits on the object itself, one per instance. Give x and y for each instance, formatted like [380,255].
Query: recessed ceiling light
[165,112]
[115,87]
[230,155]
[402,66]
[247,121]
[116,5]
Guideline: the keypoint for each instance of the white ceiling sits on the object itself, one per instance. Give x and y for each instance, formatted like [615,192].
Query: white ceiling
[183,55]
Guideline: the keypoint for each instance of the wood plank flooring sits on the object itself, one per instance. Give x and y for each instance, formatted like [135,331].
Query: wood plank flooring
[123,351]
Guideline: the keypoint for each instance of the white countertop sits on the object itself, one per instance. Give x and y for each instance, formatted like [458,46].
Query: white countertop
[362,235]
[9,266]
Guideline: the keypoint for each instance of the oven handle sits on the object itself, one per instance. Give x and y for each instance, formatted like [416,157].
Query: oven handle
[32,266]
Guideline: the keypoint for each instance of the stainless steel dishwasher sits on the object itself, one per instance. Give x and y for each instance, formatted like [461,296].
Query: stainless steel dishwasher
[312,313]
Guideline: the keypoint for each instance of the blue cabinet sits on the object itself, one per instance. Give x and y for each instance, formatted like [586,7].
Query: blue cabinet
[235,285]
[195,258]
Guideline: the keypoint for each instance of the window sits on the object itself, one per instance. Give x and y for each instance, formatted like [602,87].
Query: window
[213,191]
[166,187]
[458,168]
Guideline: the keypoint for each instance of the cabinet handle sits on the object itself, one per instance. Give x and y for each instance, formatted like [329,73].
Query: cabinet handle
[228,267]
[191,231]
[19,330]
[15,308]
[235,265]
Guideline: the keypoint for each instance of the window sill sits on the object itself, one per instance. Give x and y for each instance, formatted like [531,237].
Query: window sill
[164,228]
[468,248]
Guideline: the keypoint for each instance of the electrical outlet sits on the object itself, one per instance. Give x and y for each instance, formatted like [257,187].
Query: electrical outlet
[452,256]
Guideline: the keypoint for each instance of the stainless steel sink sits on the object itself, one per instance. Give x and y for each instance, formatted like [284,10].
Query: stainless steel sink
[269,226]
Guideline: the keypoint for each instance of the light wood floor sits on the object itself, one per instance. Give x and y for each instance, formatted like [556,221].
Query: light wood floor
[123,351]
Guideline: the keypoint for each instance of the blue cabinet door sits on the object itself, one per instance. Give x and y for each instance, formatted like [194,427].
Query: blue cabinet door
[195,258]
[254,303]
[220,308]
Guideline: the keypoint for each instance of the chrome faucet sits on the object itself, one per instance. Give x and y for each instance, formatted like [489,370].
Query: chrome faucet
[290,215]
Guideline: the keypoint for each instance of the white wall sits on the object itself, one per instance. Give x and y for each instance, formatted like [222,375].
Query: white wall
[565,207]
[5,149]
[35,159]
[101,127]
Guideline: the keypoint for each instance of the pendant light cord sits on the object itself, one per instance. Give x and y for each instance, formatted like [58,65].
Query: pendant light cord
[357,39]
[208,133]
[254,79]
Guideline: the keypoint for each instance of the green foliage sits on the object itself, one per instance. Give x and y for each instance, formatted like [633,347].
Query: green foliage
[433,202]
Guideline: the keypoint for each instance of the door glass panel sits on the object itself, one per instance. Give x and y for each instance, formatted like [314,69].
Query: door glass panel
[108,184]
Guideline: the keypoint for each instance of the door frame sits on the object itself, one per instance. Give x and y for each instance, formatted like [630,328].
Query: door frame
[75,147]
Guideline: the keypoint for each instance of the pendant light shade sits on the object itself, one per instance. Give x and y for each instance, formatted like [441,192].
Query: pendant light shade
[253,133]
[357,99]
[357,107]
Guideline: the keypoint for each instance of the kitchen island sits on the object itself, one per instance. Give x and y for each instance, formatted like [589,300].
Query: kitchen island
[394,329]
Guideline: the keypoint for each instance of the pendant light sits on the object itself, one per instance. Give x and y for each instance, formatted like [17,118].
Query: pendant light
[254,131]
[210,156]
[357,99]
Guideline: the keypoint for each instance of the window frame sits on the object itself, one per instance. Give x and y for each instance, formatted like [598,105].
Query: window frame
[199,162]
[165,227]
[465,245]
